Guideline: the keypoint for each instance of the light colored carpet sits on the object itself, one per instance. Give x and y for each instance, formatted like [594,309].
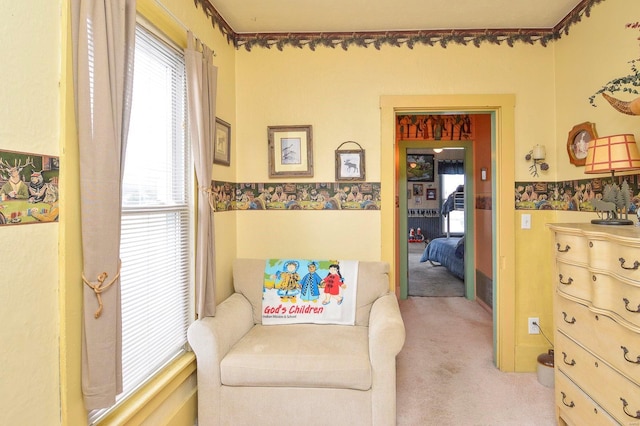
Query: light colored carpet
[446,375]
[427,280]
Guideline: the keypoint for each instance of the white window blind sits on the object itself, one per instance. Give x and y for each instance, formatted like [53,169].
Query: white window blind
[156,272]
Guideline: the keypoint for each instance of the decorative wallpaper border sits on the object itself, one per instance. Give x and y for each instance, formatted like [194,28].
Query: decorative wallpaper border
[377,39]
[228,196]
[571,195]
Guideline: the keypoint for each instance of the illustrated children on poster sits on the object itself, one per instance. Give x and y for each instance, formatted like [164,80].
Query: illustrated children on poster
[289,286]
[310,284]
[333,282]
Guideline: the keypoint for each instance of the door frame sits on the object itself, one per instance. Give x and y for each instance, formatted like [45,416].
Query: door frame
[502,108]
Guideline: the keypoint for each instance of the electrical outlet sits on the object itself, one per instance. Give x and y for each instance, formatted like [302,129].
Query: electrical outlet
[534,324]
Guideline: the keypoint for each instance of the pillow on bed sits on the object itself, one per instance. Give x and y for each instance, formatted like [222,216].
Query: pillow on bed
[460,248]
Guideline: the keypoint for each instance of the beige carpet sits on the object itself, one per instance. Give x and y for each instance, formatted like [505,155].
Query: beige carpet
[427,280]
[446,376]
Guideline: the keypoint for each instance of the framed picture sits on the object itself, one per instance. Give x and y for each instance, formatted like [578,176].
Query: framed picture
[417,190]
[420,167]
[578,141]
[350,163]
[431,194]
[290,151]
[222,143]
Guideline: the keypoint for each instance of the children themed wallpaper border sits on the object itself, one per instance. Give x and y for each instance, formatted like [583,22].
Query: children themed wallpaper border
[229,196]
[28,188]
[571,195]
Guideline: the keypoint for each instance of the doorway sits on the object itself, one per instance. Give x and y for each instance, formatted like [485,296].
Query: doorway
[435,211]
[501,108]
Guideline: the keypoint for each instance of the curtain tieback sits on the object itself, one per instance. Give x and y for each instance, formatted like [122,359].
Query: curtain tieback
[210,196]
[99,287]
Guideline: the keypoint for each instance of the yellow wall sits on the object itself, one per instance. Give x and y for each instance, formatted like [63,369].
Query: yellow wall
[337,92]
[29,116]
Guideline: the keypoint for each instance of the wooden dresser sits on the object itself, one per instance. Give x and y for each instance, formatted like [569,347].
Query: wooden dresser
[597,324]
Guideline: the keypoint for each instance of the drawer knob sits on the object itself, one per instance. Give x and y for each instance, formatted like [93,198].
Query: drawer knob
[568,282]
[626,306]
[566,248]
[624,407]
[572,362]
[571,321]
[571,404]
[626,352]
[635,266]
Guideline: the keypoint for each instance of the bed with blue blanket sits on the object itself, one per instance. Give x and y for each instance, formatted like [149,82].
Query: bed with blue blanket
[447,252]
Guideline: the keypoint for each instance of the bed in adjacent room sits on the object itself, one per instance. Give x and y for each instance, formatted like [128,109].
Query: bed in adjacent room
[447,252]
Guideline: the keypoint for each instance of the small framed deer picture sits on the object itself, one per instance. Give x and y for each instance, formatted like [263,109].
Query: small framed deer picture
[350,163]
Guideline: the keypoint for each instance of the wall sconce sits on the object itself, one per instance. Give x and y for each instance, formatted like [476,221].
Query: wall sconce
[437,150]
[537,155]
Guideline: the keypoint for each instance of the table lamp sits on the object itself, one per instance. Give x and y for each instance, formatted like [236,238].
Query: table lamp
[610,154]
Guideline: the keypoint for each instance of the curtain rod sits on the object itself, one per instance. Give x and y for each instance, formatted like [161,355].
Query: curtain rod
[179,22]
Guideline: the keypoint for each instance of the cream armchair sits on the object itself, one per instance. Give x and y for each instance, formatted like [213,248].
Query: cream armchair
[300,374]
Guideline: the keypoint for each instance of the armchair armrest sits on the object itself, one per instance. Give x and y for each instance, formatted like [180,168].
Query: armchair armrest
[386,329]
[211,338]
[386,338]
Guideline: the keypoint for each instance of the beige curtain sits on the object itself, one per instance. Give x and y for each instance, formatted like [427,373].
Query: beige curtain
[202,77]
[103,44]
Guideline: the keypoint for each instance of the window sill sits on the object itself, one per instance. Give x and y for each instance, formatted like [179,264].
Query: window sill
[149,397]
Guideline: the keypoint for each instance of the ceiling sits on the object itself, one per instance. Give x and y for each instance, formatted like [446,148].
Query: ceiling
[299,16]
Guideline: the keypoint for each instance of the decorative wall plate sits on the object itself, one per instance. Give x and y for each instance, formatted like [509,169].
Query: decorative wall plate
[578,141]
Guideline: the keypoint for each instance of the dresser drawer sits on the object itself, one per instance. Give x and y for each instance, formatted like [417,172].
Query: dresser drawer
[613,392]
[619,296]
[571,248]
[617,345]
[615,257]
[575,407]
[573,280]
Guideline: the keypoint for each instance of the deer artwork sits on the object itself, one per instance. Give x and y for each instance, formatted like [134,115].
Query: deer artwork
[14,188]
[351,167]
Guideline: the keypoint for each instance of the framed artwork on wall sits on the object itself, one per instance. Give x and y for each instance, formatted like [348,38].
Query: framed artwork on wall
[417,189]
[578,141]
[350,163]
[290,151]
[420,167]
[222,143]
[431,194]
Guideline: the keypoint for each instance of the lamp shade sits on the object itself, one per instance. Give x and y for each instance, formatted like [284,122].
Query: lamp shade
[612,153]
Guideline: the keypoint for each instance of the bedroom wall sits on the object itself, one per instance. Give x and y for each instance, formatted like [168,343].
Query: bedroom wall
[29,122]
[597,50]
[338,92]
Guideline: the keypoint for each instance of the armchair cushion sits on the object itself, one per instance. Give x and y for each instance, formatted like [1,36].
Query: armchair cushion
[300,355]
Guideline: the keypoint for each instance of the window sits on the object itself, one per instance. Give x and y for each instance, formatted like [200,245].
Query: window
[454,222]
[156,272]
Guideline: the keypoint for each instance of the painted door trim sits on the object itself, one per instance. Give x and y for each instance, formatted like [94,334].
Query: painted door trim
[504,210]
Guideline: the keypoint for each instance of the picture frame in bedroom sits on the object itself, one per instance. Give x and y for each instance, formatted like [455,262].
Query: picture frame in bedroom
[420,167]
[290,151]
[222,145]
[578,140]
[350,163]
[430,194]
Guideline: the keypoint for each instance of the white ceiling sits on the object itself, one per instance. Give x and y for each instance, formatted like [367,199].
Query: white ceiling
[265,16]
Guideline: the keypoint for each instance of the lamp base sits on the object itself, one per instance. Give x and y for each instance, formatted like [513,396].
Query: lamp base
[611,222]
